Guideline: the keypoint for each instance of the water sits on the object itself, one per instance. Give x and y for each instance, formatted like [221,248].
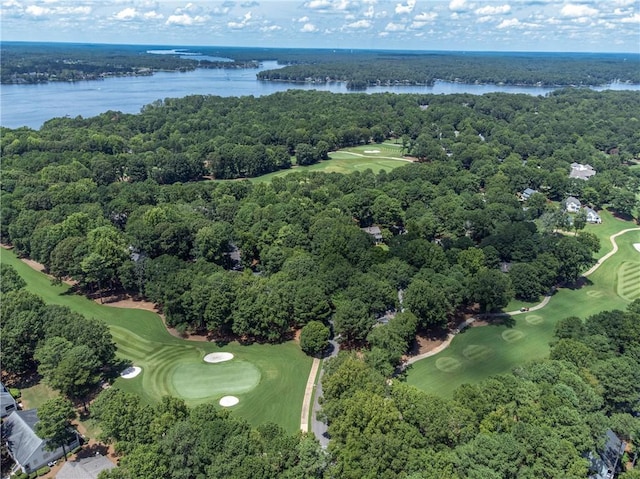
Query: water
[32,105]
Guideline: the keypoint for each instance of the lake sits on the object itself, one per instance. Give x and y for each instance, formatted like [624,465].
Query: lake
[32,105]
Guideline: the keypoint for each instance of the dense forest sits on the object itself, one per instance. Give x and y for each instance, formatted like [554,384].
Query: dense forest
[425,69]
[27,63]
[126,203]
[43,62]
[118,202]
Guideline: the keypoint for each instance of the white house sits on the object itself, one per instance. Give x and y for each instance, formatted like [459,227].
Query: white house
[23,444]
[528,193]
[7,403]
[572,205]
[592,216]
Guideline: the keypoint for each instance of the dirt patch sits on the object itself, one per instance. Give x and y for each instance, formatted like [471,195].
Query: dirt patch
[425,344]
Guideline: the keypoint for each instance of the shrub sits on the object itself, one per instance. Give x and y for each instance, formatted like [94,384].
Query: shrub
[15,392]
[43,470]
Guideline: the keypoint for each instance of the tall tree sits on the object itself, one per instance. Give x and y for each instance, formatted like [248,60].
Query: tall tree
[54,424]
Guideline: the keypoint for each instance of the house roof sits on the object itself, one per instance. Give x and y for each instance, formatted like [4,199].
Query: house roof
[85,468]
[572,199]
[22,441]
[591,211]
[581,171]
[372,230]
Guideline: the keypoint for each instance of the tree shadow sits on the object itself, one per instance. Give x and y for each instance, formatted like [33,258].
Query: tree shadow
[499,319]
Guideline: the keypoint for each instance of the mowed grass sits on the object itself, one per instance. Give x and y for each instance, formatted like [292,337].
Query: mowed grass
[269,380]
[377,157]
[480,352]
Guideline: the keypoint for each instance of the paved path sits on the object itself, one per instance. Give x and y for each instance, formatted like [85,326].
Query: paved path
[540,305]
[612,238]
[318,427]
[308,394]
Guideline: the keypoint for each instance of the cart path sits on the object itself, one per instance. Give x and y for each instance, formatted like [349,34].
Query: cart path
[540,305]
[308,394]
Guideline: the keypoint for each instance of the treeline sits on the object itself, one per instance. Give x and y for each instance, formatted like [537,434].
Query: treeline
[361,71]
[540,421]
[72,353]
[28,63]
[179,140]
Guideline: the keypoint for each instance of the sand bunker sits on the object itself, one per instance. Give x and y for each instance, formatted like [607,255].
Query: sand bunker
[637,247]
[372,151]
[131,372]
[218,357]
[228,401]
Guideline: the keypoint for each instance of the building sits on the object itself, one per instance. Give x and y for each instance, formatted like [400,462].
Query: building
[580,171]
[572,205]
[7,402]
[85,468]
[24,445]
[528,193]
[592,216]
[375,232]
[605,464]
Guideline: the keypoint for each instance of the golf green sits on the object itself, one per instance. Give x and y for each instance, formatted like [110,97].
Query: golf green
[205,381]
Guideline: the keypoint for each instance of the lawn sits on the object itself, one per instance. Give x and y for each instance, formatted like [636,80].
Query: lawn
[377,157]
[269,380]
[480,352]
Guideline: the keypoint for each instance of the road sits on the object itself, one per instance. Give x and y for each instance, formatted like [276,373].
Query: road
[319,428]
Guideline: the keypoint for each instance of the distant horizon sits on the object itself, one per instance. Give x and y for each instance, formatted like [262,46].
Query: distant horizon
[545,26]
[343,49]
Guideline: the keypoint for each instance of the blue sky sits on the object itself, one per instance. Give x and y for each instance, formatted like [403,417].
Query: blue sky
[524,25]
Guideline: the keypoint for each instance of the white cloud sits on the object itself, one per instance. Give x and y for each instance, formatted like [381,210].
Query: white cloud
[270,28]
[458,5]
[360,24]
[394,27]
[37,11]
[126,14]
[185,19]
[370,12]
[242,23]
[309,28]
[633,19]
[512,22]
[573,10]
[304,19]
[484,19]
[318,4]
[153,15]
[497,10]
[425,17]
[408,8]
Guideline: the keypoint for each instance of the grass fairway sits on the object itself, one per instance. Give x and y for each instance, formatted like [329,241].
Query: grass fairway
[269,379]
[480,352]
[377,157]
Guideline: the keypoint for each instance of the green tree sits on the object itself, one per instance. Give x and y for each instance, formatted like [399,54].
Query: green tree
[314,338]
[427,302]
[10,280]
[491,289]
[54,424]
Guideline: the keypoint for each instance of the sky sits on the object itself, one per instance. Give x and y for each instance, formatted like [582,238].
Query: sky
[459,25]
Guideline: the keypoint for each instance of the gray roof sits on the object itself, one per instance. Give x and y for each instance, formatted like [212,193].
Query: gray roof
[580,171]
[85,468]
[572,199]
[529,191]
[21,438]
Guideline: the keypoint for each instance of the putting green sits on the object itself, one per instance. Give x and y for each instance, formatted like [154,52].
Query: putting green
[203,381]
